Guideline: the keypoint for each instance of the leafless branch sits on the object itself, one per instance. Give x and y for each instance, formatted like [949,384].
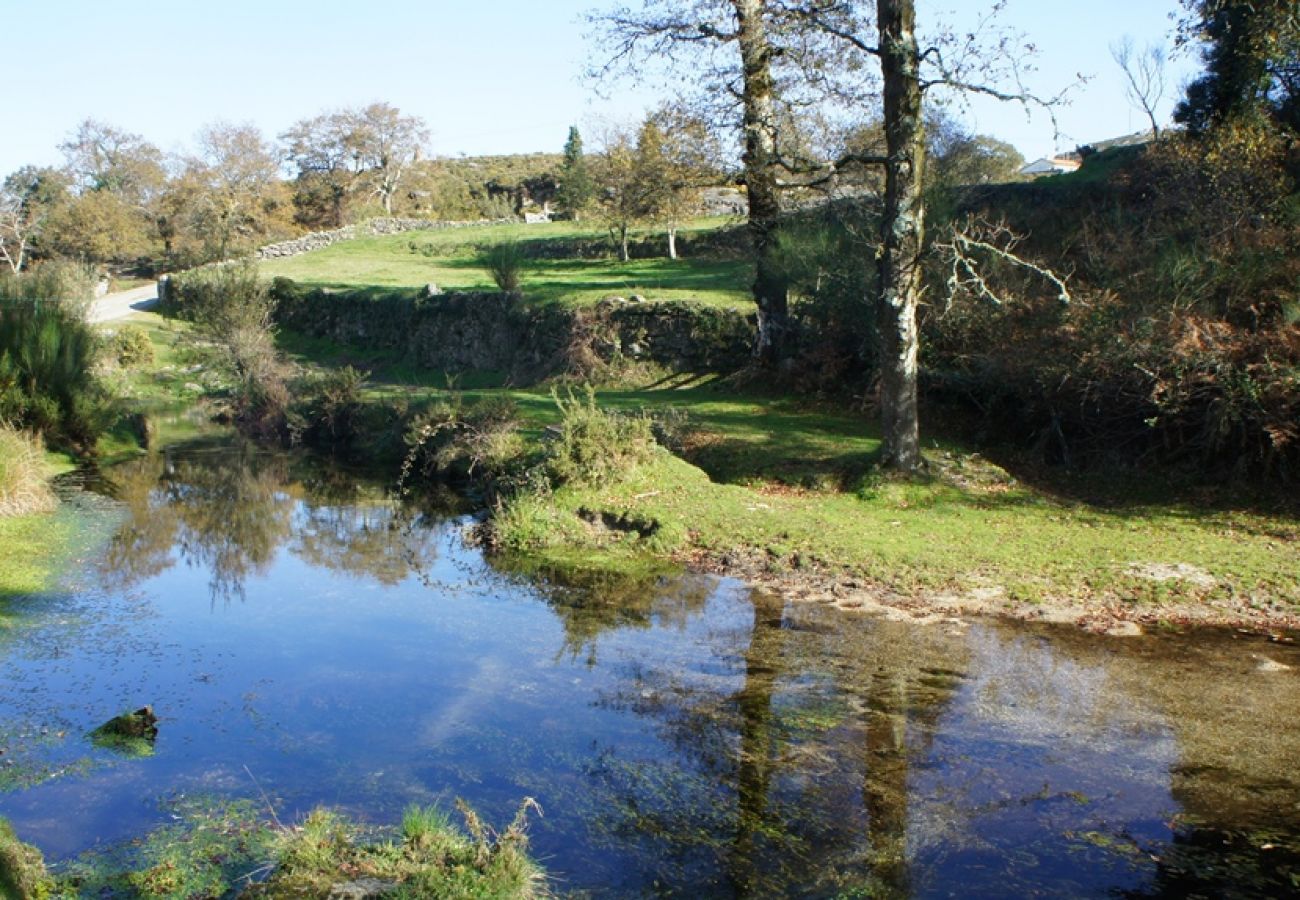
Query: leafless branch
[968,249]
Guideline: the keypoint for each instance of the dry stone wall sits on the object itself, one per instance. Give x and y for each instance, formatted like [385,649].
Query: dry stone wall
[482,331]
[319,240]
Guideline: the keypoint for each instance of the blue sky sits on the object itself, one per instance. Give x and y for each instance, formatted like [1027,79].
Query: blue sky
[493,76]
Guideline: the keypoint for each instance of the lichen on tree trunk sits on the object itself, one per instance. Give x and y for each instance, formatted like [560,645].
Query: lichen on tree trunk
[760,159]
[902,234]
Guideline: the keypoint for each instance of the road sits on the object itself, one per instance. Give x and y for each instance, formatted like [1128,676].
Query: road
[123,303]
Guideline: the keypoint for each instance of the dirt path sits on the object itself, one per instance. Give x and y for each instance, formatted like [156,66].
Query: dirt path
[123,303]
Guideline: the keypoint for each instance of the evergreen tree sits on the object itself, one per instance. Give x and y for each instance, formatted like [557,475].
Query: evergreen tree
[1252,62]
[576,185]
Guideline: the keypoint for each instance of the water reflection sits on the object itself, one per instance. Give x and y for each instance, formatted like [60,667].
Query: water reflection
[228,509]
[686,737]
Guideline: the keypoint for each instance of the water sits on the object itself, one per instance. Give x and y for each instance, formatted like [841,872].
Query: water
[684,736]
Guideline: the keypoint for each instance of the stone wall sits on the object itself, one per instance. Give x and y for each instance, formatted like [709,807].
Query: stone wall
[481,331]
[318,240]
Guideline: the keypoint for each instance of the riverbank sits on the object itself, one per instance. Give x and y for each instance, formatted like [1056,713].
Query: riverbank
[970,540]
[780,492]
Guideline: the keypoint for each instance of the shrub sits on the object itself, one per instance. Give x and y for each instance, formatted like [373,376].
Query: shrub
[131,347]
[232,311]
[48,383]
[329,410]
[23,488]
[69,282]
[451,439]
[593,444]
[504,263]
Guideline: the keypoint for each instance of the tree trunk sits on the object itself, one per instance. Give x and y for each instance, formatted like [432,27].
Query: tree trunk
[623,253]
[760,159]
[672,243]
[902,234]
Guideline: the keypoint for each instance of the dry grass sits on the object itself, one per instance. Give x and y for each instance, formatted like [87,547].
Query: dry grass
[23,488]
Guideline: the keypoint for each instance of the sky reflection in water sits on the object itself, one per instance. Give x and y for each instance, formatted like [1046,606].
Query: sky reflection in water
[683,736]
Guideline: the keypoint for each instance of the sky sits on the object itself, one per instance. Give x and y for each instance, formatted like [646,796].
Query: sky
[492,76]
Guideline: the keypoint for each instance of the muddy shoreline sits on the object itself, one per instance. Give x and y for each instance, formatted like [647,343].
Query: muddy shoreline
[1110,616]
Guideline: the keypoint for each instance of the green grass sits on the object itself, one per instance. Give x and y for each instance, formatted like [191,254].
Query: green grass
[786,484]
[782,488]
[453,259]
[951,534]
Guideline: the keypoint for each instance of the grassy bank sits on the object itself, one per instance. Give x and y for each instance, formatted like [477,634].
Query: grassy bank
[34,536]
[453,259]
[216,848]
[785,498]
[780,490]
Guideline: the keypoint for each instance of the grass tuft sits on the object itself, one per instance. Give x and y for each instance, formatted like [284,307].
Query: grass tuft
[23,486]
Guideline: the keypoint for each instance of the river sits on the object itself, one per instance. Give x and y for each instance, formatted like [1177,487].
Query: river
[303,644]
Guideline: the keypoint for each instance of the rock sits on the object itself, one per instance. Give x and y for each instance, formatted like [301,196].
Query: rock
[1266,665]
[361,889]
[1173,572]
[130,734]
[431,290]
[139,724]
[636,298]
[1124,629]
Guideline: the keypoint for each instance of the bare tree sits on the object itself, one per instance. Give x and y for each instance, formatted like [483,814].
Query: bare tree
[1144,74]
[835,51]
[102,157]
[386,143]
[983,60]
[230,188]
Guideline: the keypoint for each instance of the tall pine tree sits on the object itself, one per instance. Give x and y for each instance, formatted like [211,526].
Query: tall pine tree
[576,185]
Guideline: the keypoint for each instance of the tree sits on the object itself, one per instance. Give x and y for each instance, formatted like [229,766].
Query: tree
[27,199]
[386,143]
[621,200]
[677,155]
[100,226]
[229,195]
[960,158]
[1144,75]
[735,50]
[968,62]
[324,150]
[1252,62]
[576,186]
[101,157]
[825,50]
[339,153]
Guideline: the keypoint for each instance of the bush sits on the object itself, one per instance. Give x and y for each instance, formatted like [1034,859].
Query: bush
[232,311]
[48,384]
[328,413]
[451,439]
[504,263]
[131,347]
[593,444]
[23,488]
[69,282]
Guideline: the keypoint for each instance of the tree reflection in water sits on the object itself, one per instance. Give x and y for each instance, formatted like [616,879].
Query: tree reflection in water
[795,756]
[229,508]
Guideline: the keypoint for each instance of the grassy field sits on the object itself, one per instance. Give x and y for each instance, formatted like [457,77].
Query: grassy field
[452,259]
